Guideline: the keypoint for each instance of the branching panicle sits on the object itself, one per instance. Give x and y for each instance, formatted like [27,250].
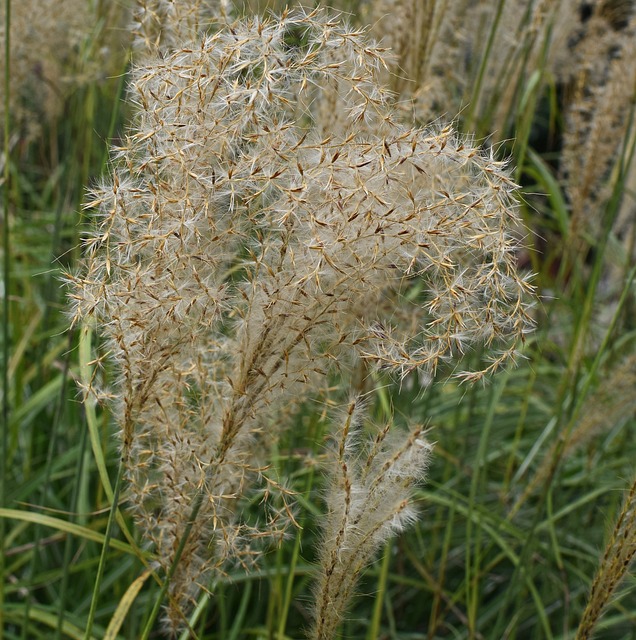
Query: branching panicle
[616,561]
[369,501]
[243,248]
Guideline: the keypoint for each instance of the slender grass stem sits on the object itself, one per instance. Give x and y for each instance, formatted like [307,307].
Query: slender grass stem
[79,470]
[478,481]
[477,87]
[4,458]
[238,622]
[376,618]
[291,569]
[199,611]
[196,507]
[102,560]
[35,559]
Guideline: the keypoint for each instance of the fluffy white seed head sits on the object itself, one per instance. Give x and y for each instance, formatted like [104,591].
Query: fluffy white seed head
[243,247]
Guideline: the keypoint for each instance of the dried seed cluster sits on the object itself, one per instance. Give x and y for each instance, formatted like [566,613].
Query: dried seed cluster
[369,501]
[246,243]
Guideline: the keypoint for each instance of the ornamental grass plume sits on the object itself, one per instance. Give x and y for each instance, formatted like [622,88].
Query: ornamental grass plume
[163,25]
[618,556]
[43,38]
[475,58]
[242,250]
[598,118]
[369,501]
[55,47]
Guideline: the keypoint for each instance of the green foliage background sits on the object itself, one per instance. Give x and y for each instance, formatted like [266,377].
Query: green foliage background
[513,523]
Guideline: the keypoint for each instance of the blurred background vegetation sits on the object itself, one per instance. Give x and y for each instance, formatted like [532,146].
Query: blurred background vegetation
[530,472]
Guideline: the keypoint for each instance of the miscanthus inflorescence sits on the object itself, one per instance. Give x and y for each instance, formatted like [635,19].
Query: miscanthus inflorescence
[369,500]
[246,243]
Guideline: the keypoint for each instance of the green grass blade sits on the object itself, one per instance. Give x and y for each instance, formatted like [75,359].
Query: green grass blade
[86,377]
[376,618]
[67,527]
[124,606]
[6,284]
[102,559]
[49,619]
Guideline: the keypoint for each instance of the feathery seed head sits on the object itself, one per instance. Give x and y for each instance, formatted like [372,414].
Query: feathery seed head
[243,247]
[369,501]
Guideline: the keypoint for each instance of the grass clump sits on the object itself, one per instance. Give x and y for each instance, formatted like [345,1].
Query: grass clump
[285,286]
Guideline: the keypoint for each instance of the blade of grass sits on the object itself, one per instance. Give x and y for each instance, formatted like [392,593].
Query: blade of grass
[124,606]
[48,618]
[204,600]
[102,559]
[237,625]
[295,554]
[477,482]
[494,529]
[67,546]
[87,376]
[474,99]
[44,487]
[5,303]
[374,624]
[538,169]
[69,528]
